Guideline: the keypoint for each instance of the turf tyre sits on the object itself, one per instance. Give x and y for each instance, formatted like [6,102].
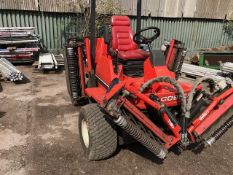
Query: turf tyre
[102,135]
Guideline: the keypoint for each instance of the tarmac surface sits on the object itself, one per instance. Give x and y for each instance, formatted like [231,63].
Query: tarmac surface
[39,136]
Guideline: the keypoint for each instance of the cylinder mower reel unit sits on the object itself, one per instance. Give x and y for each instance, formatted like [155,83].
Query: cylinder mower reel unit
[135,93]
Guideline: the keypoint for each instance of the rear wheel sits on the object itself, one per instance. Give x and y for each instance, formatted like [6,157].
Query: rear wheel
[97,134]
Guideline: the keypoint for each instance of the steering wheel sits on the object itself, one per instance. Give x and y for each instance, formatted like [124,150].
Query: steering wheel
[140,39]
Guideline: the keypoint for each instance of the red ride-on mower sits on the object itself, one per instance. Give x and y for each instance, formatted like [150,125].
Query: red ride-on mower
[138,93]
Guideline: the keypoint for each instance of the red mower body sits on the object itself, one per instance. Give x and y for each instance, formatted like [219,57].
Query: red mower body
[120,78]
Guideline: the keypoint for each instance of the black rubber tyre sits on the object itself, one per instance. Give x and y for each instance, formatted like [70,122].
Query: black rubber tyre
[101,133]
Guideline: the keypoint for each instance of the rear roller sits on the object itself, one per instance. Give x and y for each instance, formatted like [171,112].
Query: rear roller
[123,121]
[72,73]
[219,132]
[141,137]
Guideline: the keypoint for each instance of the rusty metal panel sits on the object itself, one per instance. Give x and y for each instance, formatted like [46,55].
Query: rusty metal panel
[172,8]
[215,9]
[189,8]
[59,6]
[19,4]
[151,7]
[129,6]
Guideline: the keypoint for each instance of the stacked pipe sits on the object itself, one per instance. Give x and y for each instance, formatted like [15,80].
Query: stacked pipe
[198,71]
[60,59]
[227,67]
[9,71]
[19,44]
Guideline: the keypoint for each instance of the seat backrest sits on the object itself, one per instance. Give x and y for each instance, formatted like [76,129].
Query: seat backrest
[122,35]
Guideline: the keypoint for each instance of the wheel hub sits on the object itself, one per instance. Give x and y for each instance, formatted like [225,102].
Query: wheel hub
[85,134]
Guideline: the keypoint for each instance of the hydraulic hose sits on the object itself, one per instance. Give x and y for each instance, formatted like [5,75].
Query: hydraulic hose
[181,94]
[181,97]
[193,92]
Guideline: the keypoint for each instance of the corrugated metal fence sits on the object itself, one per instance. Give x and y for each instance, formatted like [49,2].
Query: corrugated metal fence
[54,27]
[196,33]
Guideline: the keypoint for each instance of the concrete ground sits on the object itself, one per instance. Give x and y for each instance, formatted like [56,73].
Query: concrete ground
[39,135]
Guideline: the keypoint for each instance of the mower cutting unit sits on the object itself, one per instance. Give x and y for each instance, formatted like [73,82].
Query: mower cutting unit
[138,93]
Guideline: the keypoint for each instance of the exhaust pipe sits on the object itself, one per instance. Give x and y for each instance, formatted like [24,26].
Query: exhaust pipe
[217,134]
[141,137]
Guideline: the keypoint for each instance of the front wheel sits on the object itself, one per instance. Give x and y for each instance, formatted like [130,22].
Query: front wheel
[97,134]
